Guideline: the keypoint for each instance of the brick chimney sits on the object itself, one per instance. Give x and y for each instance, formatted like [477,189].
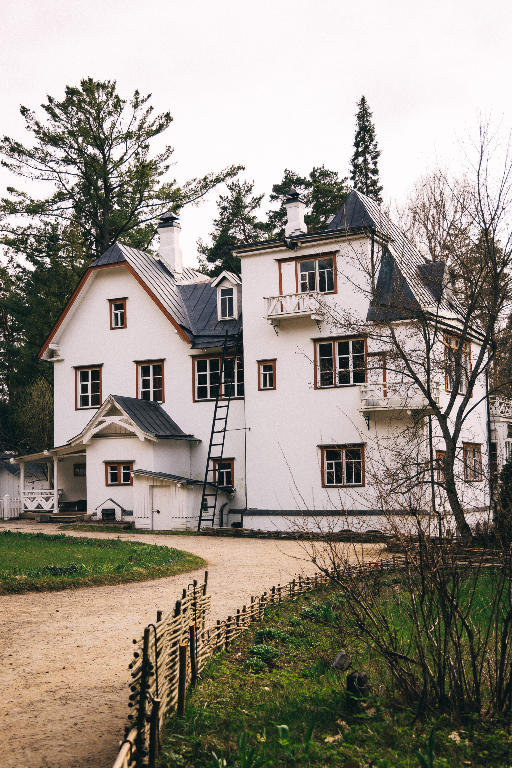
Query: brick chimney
[295,207]
[170,252]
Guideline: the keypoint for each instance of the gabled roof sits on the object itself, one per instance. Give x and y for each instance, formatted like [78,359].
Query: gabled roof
[226,276]
[404,271]
[146,419]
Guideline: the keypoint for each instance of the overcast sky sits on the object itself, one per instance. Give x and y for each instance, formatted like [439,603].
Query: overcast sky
[273,84]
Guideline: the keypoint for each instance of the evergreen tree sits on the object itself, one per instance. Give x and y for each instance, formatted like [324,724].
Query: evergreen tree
[365,171]
[236,224]
[94,148]
[323,192]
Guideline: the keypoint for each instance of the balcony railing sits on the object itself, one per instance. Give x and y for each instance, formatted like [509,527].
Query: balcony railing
[395,396]
[500,406]
[40,500]
[293,305]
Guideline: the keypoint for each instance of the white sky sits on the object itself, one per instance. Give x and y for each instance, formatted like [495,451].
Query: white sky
[274,83]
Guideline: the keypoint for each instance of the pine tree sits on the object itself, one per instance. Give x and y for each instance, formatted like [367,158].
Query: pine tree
[365,172]
[236,224]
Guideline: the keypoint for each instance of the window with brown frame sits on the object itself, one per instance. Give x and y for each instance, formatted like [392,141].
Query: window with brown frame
[224,472]
[87,387]
[206,377]
[118,474]
[150,381]
[453,352]
[340,362]
[472,462]
[308,274]
[342,465]
[79,470]
[440,465]
[117,314]
[266,374]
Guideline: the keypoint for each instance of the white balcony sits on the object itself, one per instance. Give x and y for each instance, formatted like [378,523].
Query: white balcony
[500,406]
[395,396]
[40,500]
[293,305]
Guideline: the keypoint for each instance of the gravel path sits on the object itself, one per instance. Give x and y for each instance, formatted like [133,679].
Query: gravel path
[66,654]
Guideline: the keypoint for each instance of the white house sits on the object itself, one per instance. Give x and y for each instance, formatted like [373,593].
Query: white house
[137,356]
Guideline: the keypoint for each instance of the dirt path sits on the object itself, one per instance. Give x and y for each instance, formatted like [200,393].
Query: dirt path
[65,654]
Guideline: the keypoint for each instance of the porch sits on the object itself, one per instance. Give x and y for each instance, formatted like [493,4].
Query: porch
[65,490]
[395,396]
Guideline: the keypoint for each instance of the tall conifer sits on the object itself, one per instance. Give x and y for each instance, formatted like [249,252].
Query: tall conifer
[365,171]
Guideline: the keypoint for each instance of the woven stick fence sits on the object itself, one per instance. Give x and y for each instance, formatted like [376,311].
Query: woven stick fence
[171,654]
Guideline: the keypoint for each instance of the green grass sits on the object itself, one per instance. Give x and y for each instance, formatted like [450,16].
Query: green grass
[41,562]
[289,708]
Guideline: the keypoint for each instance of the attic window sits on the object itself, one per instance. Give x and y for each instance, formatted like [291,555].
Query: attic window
[226,303]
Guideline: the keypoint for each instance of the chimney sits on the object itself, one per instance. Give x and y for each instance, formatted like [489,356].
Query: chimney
[295,207]
[170,251]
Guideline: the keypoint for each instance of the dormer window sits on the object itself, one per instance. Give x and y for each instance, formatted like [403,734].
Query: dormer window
[227,303]
[117,314]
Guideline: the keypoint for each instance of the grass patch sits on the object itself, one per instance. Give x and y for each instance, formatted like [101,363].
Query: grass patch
[39,562]
[284,705]
[121,528]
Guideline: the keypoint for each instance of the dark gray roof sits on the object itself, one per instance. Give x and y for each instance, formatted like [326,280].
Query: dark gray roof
[402,263]
[193,305]
[167,476]
[200,302]
[151,418]
[32,470]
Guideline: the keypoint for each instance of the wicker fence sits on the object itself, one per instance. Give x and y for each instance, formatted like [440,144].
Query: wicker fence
[170,655]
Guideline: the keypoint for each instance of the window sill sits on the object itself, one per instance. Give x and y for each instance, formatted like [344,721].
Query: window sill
[213,399]
[339,386]
[88,408]
[360,485]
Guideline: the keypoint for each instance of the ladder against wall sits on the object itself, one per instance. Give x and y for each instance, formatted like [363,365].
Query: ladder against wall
[226,390]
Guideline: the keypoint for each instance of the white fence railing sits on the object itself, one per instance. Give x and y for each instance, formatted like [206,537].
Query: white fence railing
[293,305]
[500,406]
[40,500]
[9,507]
[395,396]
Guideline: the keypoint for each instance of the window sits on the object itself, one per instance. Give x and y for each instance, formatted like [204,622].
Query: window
[472,462]
[316,275]
[150,381]
[223,472]
[340,363]
[440,460]
[207,377]
[266,374]
[342,465]
[79,470]
[117,314]
[88,387]
[452,350]
[227,303]
[119,473]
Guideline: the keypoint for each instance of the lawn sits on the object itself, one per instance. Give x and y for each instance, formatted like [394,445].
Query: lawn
[41,562]
[273,699]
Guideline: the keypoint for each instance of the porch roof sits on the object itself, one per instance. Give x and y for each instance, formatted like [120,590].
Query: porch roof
[51,453]
[167,476]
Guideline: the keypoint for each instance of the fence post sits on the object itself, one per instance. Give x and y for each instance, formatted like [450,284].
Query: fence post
[182,681]
[141,714]
[7,511]
[154,734]
[227,635]
[193,654]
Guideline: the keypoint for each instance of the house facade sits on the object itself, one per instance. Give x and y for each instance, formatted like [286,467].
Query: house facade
[145,352]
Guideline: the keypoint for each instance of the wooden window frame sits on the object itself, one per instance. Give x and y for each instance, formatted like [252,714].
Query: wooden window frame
[78,369]
[79,466]
[469,471]
[312,257]
[139,364]
[118,464]
[231,462]
[261,363]
[111,303]
[218,356]
[343,448]
[220,316]
[467,353]
[335,340]
[440,459]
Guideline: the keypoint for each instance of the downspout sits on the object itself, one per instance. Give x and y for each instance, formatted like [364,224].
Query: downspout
[492,502]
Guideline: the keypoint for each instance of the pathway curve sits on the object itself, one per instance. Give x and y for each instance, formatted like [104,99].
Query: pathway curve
[65,655]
